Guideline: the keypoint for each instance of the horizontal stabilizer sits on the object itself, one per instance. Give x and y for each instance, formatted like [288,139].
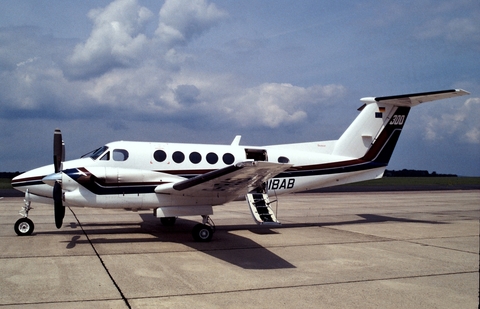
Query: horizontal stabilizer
[414,99]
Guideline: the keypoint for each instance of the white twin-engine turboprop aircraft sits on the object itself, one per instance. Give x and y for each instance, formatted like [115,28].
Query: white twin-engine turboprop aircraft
[189,179]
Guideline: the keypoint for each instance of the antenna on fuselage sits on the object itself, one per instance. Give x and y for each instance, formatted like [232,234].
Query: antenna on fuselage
[236,140]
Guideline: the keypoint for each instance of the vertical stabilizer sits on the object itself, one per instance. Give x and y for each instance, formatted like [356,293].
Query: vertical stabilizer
[365,129]
[372,136]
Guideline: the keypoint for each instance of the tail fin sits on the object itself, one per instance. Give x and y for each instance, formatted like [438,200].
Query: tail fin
[372,136]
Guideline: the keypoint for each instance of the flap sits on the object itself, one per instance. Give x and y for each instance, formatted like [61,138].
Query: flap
[235,180]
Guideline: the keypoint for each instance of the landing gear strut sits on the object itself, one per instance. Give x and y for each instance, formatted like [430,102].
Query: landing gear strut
[203,232]
[24,226]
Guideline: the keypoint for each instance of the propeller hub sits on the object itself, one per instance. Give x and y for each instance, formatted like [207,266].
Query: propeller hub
[52,179]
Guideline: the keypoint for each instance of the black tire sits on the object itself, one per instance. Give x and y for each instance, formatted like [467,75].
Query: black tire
[168,221]
[24,227]
[202,233]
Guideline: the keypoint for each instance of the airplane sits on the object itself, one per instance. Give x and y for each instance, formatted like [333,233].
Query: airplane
[179,179]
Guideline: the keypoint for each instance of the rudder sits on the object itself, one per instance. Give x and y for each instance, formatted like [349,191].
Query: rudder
[366,130]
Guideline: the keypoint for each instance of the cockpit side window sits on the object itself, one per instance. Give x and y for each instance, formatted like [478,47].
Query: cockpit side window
[120,155]
[106,156]
[95,154]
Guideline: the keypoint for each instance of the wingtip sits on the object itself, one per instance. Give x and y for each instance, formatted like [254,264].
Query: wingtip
[462,92]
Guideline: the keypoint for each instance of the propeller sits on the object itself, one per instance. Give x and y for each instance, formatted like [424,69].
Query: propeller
[58,157]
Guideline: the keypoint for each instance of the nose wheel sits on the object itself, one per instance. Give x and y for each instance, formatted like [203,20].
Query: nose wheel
[24,227]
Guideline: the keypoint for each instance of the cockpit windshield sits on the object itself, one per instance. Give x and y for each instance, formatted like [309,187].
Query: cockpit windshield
[94,154]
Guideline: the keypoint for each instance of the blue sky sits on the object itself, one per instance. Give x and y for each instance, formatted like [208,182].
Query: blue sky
[205,71]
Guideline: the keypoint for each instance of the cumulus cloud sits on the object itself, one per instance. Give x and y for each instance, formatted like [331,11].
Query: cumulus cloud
[461,124]
[274,104]
[116,39]
[180,21]
[119,69]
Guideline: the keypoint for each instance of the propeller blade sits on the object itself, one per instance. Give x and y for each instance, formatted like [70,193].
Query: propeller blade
[58,158]
[59,209]
[57,150]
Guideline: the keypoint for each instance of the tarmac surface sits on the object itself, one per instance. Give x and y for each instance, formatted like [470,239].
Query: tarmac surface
[333,250]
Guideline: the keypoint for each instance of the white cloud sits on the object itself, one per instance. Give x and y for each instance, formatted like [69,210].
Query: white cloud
[116,39]
[29,60]
[460,124]
[274,104]
[182,20]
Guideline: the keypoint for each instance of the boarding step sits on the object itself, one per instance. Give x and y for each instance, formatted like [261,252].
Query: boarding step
[260,208]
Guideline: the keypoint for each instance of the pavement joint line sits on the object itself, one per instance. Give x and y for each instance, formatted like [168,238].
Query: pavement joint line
[101,261]
[381,239]
[411,240]
[440,247]
[307,285]
[59,302]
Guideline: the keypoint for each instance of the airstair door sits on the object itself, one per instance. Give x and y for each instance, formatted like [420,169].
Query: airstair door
[260,208]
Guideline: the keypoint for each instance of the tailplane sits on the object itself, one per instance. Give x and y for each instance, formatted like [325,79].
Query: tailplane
[372,136]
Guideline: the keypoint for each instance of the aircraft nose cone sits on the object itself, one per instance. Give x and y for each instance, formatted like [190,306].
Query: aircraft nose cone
[17,179]
[52,179]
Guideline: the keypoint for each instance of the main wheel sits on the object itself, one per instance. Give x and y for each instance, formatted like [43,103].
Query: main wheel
[168,221]
[24,227]
[202,233]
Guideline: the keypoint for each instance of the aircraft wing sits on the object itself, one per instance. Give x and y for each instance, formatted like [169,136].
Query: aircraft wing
[414,99]
[235,180]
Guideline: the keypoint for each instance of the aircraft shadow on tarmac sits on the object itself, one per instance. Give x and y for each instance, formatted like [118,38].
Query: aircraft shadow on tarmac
[229,247]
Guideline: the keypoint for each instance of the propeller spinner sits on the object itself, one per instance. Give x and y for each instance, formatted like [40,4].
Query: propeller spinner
[58,157]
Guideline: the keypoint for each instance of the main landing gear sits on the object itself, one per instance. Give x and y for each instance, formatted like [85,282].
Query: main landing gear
[24,226]
[203,232]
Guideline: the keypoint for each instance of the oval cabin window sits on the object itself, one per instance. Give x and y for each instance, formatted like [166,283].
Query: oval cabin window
[159,155]
[212,158]
[228,158]
[178,157]
[195,157]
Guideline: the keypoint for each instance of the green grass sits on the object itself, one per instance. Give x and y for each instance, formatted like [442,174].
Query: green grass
[421,181]
[5,183]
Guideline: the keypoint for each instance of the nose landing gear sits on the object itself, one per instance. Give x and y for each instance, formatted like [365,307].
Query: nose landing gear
[24,226]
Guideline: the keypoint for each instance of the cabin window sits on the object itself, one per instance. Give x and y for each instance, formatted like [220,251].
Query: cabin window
[159,155]
[120,155]
[195,157]
[212,158]
[228,158]
[283,160]
[178,157]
